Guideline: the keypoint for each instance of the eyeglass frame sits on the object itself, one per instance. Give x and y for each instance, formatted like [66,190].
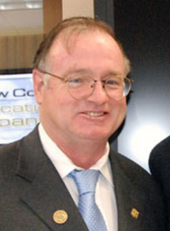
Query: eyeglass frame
[66,79]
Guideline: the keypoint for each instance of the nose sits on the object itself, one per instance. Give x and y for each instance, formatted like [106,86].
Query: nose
[99,95]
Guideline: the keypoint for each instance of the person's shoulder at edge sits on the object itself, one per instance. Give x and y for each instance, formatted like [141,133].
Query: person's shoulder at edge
[161,149]
[159,160]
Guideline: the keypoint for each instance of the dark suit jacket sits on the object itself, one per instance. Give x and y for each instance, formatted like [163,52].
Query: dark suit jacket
[31,190]
[159,163]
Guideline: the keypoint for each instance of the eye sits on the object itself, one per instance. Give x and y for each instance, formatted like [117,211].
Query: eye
[78,82]
[75,80]
[114,82]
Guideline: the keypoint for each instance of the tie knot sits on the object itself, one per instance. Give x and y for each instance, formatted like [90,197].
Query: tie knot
[85,180]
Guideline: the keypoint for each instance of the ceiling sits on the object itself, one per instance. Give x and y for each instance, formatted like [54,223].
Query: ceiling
[19,17]
[20,4]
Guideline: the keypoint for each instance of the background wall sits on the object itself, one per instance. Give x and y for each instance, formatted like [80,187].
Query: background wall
[144,29]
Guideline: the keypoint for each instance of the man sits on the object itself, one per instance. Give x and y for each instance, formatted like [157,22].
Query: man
[159,163]
[80,84]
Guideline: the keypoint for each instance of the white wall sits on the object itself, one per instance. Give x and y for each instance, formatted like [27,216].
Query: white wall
[78,8]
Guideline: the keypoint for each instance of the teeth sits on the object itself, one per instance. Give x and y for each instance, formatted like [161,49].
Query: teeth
[95,113]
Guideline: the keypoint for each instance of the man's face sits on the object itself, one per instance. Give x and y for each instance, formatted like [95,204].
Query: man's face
[97,117]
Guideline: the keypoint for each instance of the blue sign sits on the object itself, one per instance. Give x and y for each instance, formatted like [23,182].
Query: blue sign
[19,112]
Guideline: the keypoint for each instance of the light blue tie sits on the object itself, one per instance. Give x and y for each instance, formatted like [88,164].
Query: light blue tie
[86,183]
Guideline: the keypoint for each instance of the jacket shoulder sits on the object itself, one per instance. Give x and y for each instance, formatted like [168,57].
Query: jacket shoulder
[131,168]
[137,175]
[8,155]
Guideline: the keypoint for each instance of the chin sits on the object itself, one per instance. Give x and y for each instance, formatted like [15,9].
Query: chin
[95,136]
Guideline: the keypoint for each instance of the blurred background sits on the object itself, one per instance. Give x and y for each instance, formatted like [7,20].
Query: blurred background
[143,28]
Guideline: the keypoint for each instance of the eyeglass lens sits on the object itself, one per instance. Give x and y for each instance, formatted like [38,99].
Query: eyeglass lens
[82,88]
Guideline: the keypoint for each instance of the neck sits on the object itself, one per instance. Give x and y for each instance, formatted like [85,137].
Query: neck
[82,153]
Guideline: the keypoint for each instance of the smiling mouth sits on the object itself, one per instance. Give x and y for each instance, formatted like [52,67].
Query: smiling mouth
[95,114]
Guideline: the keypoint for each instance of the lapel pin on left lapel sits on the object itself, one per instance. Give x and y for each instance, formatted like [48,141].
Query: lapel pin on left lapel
[134,213]
[60,216]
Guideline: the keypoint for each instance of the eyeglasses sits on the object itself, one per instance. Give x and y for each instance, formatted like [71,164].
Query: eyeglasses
[81,87]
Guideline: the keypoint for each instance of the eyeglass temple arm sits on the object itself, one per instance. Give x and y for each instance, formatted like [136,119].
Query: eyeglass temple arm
[46,72]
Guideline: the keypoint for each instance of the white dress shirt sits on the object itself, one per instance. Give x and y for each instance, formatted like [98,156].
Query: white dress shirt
[105,196]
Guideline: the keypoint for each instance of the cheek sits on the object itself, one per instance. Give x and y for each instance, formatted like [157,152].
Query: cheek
[119,110]
[59,103]
[119,105]
[123,107]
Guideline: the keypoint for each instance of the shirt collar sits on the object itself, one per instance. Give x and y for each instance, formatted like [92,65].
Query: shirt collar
[64,165]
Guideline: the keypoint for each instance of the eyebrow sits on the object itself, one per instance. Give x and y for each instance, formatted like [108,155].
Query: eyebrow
[79,71]
[88,71]
[116,74]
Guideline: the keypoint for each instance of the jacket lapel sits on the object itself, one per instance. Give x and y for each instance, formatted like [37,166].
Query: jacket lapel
[129,207]
[45,192]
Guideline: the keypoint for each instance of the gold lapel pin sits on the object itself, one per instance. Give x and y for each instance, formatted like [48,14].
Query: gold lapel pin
[134,213]
[60,216]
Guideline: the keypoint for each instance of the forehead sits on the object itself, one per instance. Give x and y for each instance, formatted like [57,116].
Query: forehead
[70,38]
[85,47]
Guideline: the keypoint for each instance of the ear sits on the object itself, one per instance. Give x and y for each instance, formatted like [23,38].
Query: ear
[38,85]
